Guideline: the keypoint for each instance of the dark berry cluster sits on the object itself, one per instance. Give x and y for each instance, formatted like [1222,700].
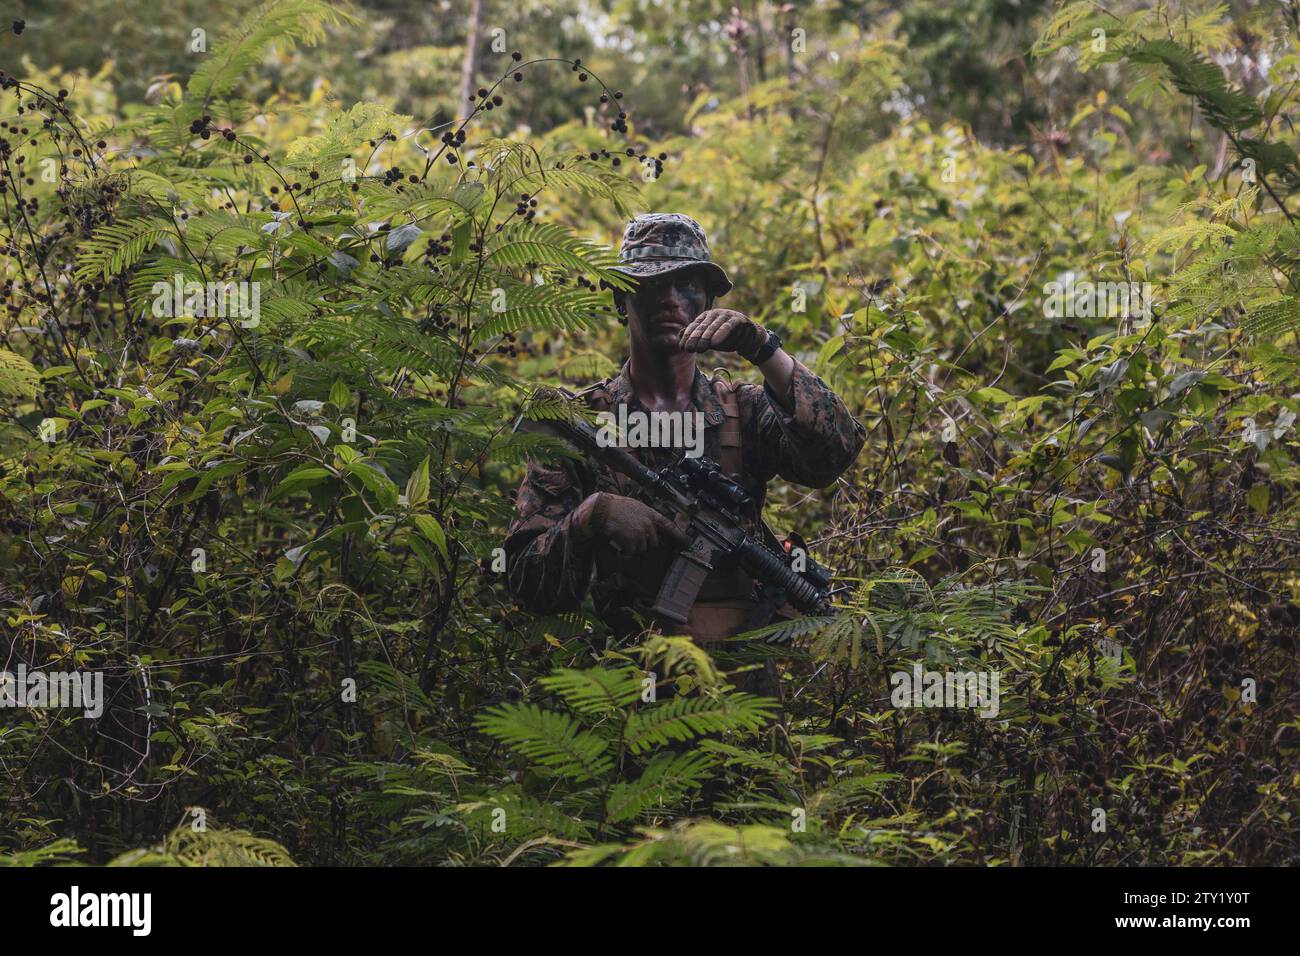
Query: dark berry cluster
[200,126]
[526,207]
[508,347]
[436,321]
[484,100]
[438,247]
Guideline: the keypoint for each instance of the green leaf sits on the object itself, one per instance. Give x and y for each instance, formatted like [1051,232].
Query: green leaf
[375,480]
[340,396]
[431,530]
[995,396]
[303,476]
[417,486]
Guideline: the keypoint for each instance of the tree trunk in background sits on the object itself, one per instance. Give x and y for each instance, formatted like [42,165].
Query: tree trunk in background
[469,71]
[760,42]
[787,24]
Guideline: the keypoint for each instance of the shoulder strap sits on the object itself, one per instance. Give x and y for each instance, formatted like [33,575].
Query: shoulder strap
[732,461]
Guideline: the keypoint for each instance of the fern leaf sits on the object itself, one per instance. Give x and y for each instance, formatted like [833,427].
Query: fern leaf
[679,655]
[344,133]
[1273,318]
[1192,75]
[553,740]
[545,307]
[667,777]
[285,23]
[685,717]
[597,690]
[551,244]
[118,246]
[18,377]
[1277,367]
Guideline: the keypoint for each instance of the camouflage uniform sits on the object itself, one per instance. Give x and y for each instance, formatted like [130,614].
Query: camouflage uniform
[746,431]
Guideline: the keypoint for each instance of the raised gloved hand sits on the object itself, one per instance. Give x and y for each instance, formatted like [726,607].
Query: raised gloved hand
[723,330]
[626,524]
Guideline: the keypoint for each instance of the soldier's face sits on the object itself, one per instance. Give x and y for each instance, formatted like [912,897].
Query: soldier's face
[663,305]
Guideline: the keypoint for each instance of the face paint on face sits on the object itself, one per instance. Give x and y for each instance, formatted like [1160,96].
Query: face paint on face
[663,305]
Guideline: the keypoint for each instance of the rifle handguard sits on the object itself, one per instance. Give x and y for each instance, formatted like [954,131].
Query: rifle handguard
[764,565]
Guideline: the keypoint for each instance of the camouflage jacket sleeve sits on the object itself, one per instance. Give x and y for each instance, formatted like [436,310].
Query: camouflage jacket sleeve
[548,569]
[811,445]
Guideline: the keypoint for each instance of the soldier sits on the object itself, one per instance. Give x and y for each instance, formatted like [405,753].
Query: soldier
[579,520]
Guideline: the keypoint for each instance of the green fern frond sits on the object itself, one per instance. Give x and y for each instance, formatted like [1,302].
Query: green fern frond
[842,640]
[1192,75]
[396,687]
[164,127]
[1072,23]
[161,269]
[709,843]
[1277,367]
[18,377]
[552,244]
[508,160]
[683,718]
[282,22]
[344,133]
[616,190]
[179,183]
[785,631]
[667,777]
[59,851]
[775,765]
[376,341]
[596,690]
[678,655]
[553,740]
[185,846]
[515,448]
[849,792]
[221,233]
[525,817]
[287,308]
[1270,157]
[562,627]
[413,285]
[118,246]
[1272,319]
[551,308]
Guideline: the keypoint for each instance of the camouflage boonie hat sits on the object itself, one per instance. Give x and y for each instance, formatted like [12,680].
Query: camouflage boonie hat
[662,242]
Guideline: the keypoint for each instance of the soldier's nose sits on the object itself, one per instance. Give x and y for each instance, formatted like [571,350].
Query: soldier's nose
[672,294]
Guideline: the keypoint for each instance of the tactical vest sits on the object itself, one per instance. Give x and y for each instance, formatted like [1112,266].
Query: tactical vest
[725,603]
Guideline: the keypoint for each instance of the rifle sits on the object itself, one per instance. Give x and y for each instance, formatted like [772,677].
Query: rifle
[705,505]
